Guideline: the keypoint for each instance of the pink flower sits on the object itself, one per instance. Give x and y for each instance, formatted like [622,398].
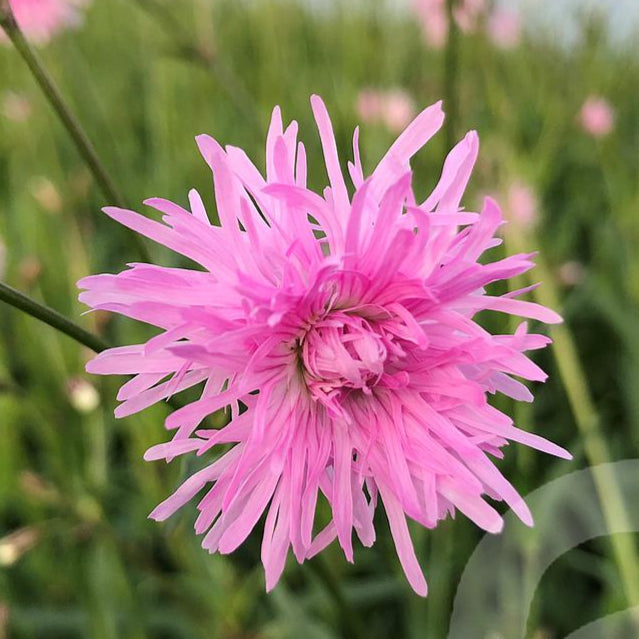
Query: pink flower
[40,20]
[394,108]
[434,22]
[467,14]
[369,105]
[338,331]
[597,116]
[398,110]
[504,27]
[523,207]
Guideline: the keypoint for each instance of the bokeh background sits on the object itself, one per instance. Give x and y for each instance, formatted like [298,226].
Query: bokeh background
[555,98]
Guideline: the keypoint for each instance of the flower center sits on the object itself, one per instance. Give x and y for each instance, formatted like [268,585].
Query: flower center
[342,351]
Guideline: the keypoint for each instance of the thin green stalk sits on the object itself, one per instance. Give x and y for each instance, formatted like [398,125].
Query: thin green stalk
[68,119]
[58,321]
[588,422]
[53,95]
[451,75]
[51,317]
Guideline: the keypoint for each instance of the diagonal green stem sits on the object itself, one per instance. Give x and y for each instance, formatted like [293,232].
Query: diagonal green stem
[51,317]
[71,124]
[68,119]
[61,323]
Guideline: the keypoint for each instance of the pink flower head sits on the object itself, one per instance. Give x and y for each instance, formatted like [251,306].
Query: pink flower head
[467,14]
[523,206]
[369,105]
[504,27]
[597,116]
[40,20]
[394,108]
[338,331]
[434,22]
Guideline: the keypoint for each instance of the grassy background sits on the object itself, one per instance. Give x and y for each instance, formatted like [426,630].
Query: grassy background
[78,557]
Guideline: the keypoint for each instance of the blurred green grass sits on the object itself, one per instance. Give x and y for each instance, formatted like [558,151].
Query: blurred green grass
[72,480]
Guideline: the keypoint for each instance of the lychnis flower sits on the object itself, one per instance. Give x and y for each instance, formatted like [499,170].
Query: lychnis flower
[338,332]
[432,18]
[394,108]
[597,117]
[504,27]
[40,20]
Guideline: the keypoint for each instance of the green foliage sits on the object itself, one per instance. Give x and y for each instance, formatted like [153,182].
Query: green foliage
[144,78]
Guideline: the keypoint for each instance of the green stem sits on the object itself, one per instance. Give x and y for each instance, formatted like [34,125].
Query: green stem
[61,323]
[54,97]
[54,319]
[451,69]
[69,121]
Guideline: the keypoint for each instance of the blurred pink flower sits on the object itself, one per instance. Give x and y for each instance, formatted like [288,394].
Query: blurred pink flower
[597,116]
[394,108]
[40,20]
[432,20]
[467,14]
[339,333]
[522,204]
[504,27]
[369,105]
[434,23]
[398,110]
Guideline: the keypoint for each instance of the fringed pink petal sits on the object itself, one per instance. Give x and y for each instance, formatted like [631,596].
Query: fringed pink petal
[403,543]
[335,176]
[341,339]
